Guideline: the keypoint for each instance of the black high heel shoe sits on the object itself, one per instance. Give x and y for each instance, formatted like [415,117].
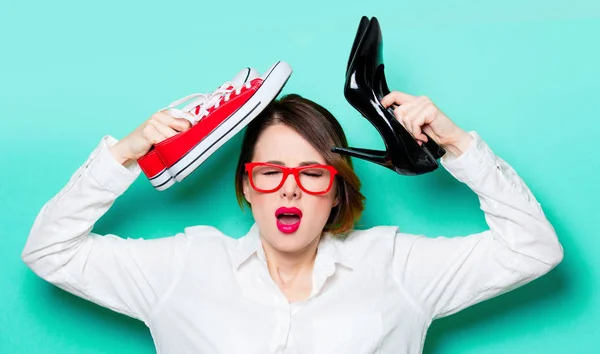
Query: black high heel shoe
[364,88]
[362,27]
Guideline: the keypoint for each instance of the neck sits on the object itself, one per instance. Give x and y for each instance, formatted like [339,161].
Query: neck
[287,268]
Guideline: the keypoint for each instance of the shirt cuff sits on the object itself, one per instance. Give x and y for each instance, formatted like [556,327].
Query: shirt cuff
[108,172]
[473,162]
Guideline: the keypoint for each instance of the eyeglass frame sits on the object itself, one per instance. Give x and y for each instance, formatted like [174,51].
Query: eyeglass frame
[295,171]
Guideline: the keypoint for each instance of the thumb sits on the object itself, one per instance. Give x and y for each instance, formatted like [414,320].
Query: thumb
[387,101]
[396,97]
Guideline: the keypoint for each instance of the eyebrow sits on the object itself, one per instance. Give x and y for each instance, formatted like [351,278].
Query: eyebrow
[303,163]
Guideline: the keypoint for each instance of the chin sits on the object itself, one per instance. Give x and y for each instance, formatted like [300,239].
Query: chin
[289,243]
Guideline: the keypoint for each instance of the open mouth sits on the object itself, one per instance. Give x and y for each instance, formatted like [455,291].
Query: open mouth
[288,219]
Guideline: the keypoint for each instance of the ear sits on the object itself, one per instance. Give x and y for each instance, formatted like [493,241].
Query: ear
[246,189]
[336,199]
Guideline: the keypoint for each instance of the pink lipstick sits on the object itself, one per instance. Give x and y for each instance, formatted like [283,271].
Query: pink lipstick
[288,219]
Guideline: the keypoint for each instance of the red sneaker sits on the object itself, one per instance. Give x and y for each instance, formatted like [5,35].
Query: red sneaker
[215,119]
[151,164]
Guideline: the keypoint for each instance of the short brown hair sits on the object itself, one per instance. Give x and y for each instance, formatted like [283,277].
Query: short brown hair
[322,130]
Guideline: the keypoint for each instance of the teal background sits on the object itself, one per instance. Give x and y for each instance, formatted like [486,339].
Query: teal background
[524,74]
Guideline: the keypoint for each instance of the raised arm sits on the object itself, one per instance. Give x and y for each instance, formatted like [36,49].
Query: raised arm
[447,274]
[126,275]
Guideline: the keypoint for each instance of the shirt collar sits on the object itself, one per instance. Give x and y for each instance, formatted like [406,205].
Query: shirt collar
[331,250]
[334,250]
[248,245]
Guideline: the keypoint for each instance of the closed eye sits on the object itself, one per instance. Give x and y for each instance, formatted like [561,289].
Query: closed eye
[312,173]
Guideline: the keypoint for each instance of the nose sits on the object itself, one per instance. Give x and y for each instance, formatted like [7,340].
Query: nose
[290,188]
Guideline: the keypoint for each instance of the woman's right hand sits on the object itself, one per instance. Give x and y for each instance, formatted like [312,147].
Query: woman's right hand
[159,127]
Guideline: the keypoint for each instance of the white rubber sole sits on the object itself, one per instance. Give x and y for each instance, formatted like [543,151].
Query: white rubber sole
[162,181]
[273,82]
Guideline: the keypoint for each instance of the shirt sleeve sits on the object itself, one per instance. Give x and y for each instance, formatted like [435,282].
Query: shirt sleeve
[129,276]
[447,274]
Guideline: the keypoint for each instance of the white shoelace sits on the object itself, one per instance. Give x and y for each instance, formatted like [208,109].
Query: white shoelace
[205,101]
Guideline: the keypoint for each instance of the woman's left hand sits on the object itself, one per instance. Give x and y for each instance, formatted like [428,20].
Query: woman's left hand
[419,115]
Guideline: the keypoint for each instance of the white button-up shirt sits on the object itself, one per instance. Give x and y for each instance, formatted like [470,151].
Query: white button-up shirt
[377,291]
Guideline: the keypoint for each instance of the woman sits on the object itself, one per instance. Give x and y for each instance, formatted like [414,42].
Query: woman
[302,280]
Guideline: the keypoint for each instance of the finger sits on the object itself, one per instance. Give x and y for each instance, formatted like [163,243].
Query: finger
[163,129]
[402,111]
[177,113]
[180,124]
[421,118]
[408,121]
[152,135]
[404,119]
[415,125]
[420,105]
[415,107]
[396,97]
[407,116]
[177,124]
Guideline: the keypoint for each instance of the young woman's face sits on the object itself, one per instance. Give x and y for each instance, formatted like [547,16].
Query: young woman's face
[281,144]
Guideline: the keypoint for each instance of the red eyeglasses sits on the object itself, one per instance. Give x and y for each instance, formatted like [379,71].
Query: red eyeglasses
[267,177]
